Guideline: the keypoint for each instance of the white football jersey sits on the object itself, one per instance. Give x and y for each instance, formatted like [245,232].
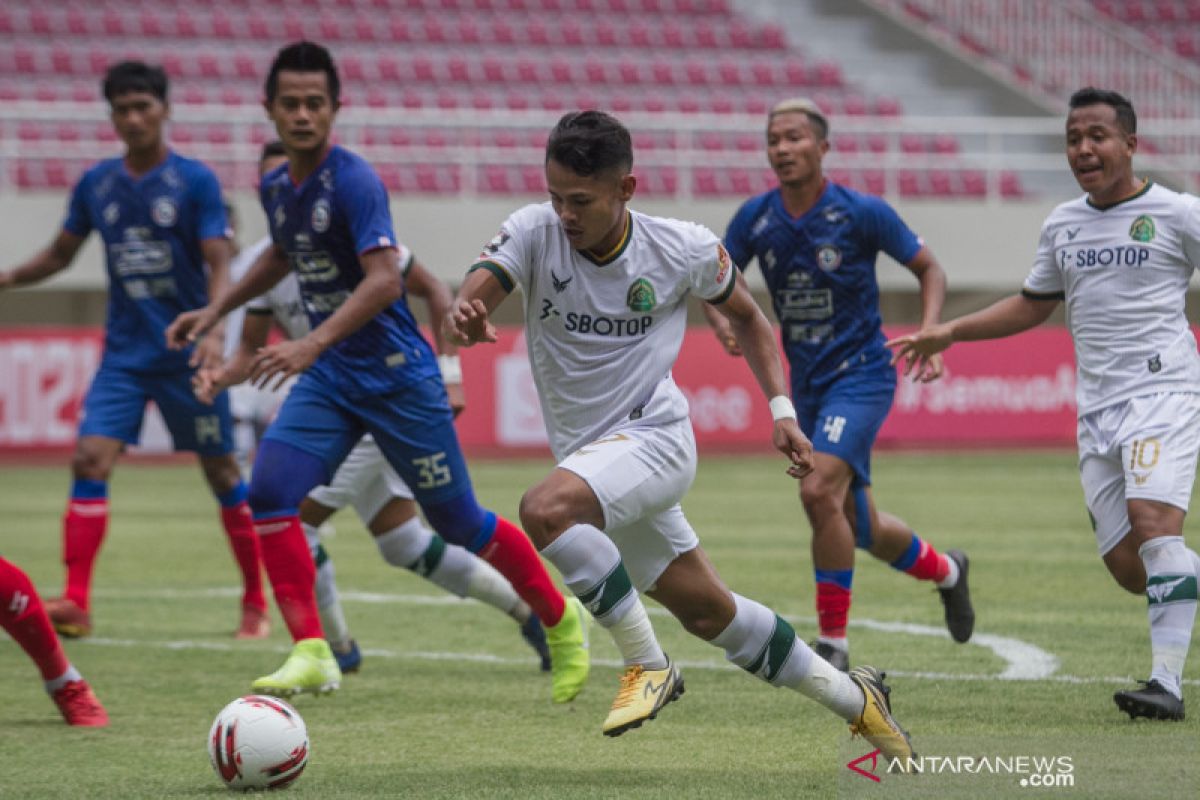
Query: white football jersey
[1123,271]
[603,334]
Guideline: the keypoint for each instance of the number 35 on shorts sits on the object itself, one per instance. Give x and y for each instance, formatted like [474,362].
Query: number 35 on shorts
[432,470]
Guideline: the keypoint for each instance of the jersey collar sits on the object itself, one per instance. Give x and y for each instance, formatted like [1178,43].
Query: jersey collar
[1145,188]
[615,253]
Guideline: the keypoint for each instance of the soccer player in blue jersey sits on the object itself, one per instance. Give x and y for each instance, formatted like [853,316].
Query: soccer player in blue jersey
[161,218]
[816,243]
[365,369]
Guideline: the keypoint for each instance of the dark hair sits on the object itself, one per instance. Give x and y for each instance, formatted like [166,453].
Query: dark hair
[271,149]
[304,57]
[587,142]
[134,76]
[1090,96]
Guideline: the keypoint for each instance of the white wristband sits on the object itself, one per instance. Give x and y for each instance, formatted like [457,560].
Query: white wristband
[451,368]
[782,408]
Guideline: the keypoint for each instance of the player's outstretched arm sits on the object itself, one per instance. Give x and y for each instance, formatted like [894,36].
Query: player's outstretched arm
[54,258]
[932,280]
[469,320]
[216,252]
[190,326]
[1012,315]
[756,339]
[208,382]
[420,282]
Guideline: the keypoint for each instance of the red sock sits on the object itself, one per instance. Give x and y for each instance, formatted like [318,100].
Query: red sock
[239,527]
[84,525]
[289,565]
[929,565]
[513,556]
[22,615]
[833,608]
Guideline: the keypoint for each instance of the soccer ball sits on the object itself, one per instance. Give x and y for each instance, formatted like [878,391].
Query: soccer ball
[258,742]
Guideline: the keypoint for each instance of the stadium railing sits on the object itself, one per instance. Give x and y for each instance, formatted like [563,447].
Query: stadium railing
[680,155]
[1050,48]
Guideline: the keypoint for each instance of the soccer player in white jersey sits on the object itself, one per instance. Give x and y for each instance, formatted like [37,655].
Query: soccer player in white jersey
[1120,257]
[605,291]
[380,497]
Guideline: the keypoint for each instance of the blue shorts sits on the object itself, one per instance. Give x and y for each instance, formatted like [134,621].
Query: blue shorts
[844,419]
[116,403]
[413,427]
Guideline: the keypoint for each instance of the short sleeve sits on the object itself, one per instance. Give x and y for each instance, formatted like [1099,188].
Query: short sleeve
[364,201]
[710,267]
[78,221]
[1045,280]
[737,235]
[211,221]
[508,256]
[892,236]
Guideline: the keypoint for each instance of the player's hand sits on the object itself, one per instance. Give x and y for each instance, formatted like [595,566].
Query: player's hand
[458,397]
[468,323]
[920,352]
[792,442]
[280,361]
[189,327]
[210,350]
[207,384]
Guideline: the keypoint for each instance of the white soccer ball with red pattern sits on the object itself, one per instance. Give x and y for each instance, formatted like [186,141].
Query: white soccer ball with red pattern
[258,742]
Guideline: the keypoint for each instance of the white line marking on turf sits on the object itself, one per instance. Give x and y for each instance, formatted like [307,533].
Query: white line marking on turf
[1023,661]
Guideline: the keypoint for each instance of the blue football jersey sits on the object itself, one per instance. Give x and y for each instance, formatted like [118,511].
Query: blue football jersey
[152,227]
[324,224]
[820,270]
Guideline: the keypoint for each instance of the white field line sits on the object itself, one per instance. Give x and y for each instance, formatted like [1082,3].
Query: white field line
[1023,661]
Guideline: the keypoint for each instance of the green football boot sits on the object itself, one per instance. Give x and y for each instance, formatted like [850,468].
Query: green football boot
[570,661]
[311,668]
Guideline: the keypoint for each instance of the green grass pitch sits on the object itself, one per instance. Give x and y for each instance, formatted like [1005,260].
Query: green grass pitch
[450,704]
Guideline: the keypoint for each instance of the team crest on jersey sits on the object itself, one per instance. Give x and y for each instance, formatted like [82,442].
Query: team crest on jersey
[829,257]
[320,215]
[280,216]
[163,212]
[640,296]
[493,247]
[112,212]
[726,262]
[1142,229]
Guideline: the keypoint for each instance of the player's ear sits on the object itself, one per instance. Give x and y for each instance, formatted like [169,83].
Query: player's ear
[628,187]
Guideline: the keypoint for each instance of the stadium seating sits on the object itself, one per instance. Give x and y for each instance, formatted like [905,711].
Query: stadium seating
[656,56]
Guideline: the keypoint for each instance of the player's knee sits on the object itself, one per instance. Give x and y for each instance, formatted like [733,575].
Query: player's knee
[543,514]
[705,620]
[282,477]
[221,472]
[819,497]
[91,464]
[461,521]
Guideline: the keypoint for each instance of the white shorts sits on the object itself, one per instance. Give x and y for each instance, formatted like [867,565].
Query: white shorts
[364,480]
[640,475]
[1145,449]
[251,404]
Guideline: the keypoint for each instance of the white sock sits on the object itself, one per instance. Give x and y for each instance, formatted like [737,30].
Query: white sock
[329,603]
[487,585]
[766,646]
[591,567]
[1171,593]
[951,576]
[71,674]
